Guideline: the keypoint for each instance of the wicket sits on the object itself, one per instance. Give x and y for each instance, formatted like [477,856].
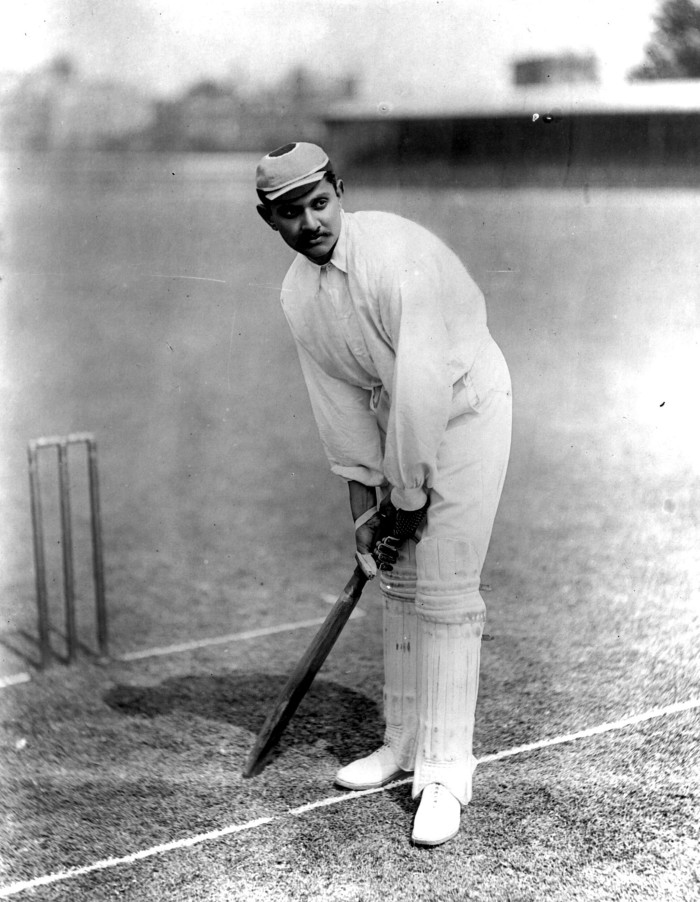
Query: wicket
[61,443]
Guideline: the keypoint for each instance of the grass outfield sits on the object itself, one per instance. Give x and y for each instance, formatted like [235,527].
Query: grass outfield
[143,305]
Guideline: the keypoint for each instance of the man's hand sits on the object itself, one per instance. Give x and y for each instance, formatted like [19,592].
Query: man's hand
[380,531]
[363,504]
[366,534]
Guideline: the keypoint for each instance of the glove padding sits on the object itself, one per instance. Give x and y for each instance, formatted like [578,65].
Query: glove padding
[397,527]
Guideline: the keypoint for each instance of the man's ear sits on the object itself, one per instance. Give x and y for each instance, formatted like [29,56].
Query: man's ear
[266,214]
[339,188]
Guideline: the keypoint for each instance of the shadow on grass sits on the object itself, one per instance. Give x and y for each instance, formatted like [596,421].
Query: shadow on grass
[346,721]
[25,647]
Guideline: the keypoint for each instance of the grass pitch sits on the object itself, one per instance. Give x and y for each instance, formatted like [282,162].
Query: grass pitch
[143,306]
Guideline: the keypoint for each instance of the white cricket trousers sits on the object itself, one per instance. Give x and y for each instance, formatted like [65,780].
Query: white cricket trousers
[433,611]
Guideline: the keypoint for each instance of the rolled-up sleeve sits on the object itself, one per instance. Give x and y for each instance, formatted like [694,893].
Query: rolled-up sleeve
[422,383]
[346,425]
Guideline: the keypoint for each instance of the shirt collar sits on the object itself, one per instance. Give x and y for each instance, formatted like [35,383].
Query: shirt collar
[340,252]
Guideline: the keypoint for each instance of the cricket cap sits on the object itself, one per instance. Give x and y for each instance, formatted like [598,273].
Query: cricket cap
[291,169]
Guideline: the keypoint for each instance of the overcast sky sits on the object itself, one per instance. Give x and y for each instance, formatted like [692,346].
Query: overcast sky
[398,47]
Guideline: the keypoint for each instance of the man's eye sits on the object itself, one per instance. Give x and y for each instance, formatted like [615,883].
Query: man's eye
[320,203]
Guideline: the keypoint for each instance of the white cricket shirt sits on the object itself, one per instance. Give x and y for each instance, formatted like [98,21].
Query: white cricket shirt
[395,308]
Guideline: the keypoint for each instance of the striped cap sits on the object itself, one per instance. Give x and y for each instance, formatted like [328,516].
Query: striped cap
[289,168]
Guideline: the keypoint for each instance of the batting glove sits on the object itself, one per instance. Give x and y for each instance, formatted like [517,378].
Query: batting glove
[398,526]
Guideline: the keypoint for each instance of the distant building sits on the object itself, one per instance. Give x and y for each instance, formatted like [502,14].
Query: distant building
[100,116]
[206,118]
[304,88]
[559,69]
[293,108]
[214,116]
[26,106]
[580,133]
[54,109]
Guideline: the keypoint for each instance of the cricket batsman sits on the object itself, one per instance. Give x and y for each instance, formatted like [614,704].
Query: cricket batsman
[412,399]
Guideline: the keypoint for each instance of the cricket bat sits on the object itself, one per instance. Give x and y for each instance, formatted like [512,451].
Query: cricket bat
[303,675]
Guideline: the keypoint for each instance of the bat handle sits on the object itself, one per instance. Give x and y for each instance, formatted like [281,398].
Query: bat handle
[367,564]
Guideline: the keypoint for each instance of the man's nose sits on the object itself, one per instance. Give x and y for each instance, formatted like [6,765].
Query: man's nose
[310,221]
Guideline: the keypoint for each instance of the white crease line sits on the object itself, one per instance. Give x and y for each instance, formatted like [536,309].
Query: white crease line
[162,650]
[14,680]
[107,863]
[14,888]
[595,731]
[219,640]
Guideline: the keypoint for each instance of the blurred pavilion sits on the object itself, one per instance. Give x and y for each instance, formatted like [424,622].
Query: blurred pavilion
[556,121]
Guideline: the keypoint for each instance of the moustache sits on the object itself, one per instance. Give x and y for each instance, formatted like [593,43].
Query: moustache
[308,238]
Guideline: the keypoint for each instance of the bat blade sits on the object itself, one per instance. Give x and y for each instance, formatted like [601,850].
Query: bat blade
[303,675]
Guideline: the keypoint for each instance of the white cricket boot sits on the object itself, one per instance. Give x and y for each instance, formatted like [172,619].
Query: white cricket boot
[370,772]
[437,818]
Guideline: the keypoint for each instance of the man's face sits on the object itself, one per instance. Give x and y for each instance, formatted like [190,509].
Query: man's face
[310,224]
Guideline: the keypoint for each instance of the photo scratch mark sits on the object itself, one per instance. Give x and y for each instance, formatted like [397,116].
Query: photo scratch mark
[156,275]
[230,349]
